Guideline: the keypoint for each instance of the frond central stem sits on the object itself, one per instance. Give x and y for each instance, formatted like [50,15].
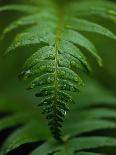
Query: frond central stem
[57,45]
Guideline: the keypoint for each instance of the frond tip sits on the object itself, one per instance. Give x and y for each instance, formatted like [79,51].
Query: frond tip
[56,65]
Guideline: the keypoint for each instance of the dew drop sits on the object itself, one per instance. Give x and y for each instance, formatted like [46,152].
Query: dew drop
[64,85]
[72,89]
[51,56]
[41,82]
[25,74]
[32,86]
[17,44]
[76,79]
[73,63]
[49,79]
[46,92]
[63,73]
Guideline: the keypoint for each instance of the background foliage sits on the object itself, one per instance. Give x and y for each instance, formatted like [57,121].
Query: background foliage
[18,106]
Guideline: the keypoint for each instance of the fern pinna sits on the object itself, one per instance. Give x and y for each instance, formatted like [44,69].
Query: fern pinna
[56,28]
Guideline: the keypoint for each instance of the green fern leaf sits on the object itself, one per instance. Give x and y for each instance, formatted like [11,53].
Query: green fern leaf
[99,8]
[24,135]
[55,67]
[88,126]
[71,147]
[22,8]
[88,153]
[12,121]
[84,25]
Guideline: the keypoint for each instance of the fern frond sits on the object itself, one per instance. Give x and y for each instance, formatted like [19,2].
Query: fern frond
[24,135]
[84,25]
[88,153]
[56,65]
[71,146]
[104,9]
[20,8]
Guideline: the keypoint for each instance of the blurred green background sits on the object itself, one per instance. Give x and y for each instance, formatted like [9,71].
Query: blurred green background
[14,90]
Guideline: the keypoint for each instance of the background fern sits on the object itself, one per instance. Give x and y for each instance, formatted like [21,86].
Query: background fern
[58,44]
